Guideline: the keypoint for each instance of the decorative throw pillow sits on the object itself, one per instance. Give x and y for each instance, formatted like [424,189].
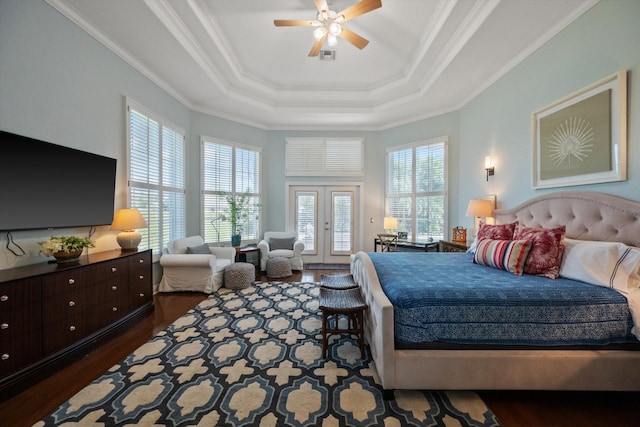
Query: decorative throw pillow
[546,249]
[508,255]
[281,243]
[202,249]
[494,232]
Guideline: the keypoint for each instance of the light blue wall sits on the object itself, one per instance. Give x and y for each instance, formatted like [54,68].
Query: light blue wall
[498,122]
[59,84]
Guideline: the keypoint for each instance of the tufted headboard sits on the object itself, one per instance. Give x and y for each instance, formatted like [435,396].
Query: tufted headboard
[587,215]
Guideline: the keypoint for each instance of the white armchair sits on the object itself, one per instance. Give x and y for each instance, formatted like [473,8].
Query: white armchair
[189,264]
[281,244]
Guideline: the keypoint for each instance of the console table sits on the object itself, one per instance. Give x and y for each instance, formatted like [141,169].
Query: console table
[50,312]
[409,246]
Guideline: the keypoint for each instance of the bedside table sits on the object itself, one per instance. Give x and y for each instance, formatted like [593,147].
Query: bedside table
[451,246]
[250,254]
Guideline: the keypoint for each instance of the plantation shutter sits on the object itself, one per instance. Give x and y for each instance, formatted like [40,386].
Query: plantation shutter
[156,176]
[228,170]
[416,189]
[324,157]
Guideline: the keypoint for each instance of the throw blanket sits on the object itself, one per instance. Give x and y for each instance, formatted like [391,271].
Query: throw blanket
[444,297]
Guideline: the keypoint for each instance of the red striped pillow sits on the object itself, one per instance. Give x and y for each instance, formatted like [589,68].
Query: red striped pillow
[508,255]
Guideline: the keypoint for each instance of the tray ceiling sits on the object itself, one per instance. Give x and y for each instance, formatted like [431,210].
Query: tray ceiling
[227,58]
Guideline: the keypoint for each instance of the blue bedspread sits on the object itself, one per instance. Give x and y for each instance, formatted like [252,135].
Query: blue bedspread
[444,297]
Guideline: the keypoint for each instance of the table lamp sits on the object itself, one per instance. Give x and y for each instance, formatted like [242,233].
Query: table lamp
[126,220]
[390,224]
[480,209]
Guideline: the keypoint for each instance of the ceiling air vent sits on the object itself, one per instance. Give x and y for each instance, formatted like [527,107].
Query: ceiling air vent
[327,55]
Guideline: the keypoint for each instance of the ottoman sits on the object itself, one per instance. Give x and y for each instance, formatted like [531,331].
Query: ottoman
[278,267]
[239,275]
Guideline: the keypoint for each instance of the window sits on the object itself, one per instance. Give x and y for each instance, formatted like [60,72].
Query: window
[417,187]
[324,157]
[155,155]
[229,170]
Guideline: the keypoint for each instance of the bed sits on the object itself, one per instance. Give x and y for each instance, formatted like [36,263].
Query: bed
[553,363]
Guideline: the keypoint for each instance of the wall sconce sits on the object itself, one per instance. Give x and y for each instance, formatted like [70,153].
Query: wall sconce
[488,166]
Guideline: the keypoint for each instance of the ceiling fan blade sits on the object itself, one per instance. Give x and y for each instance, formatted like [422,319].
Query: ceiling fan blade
[315,49]
[295,23]
[358,9]
[353,38]
[321,5]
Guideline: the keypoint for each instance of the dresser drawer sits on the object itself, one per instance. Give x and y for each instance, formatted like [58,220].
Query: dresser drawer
[67,281]
[20,308]
[20,352]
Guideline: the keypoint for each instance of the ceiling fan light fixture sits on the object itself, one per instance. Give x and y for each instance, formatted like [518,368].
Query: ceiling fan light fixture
[328,25]
[319,33]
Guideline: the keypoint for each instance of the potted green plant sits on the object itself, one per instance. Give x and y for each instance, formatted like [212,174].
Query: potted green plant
[240,210]
[65,248]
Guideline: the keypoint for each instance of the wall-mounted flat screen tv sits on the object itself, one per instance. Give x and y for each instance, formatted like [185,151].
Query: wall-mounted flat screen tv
[44,185]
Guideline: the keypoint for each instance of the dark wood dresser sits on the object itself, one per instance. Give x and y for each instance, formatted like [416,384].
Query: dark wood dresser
[51,312]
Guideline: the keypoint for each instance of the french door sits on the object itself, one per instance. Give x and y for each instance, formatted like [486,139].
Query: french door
[326,218]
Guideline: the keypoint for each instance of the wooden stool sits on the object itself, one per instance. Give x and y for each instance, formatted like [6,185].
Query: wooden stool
[342,301]
[337,281]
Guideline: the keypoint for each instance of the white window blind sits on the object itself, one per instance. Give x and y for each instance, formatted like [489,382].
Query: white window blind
[155,156]
[324,156]
[416,188]
[229,170]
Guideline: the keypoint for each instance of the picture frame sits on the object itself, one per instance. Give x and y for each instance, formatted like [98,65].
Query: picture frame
[582,138]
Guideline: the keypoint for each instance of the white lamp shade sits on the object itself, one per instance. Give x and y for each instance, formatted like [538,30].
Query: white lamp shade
[126,220]
[390,223]
[480,208]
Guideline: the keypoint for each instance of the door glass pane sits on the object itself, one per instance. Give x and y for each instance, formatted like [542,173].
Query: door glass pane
[342,220]
[307,219]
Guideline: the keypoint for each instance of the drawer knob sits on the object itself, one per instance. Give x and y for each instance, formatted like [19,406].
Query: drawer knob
[114,288]
[114,269]
[5,356]
[72,303]
[114,309]
[141,295]
[141,277]
[4,298]
[141,261]
[71,281]
[72,328]
[4,326]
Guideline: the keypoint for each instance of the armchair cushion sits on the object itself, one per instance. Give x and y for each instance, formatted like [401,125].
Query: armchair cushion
[179,246]
[201,249]
[281,243]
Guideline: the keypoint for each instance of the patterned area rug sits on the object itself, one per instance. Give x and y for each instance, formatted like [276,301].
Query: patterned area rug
[253,357]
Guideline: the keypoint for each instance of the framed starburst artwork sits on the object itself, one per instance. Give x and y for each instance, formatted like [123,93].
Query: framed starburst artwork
[582,138]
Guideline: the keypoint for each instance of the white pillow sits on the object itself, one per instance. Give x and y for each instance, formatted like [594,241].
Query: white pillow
[610,264]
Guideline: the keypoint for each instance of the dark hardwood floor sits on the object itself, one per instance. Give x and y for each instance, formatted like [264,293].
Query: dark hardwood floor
[513,408]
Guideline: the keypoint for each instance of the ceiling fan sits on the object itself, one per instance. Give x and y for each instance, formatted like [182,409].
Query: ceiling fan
[329,24]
